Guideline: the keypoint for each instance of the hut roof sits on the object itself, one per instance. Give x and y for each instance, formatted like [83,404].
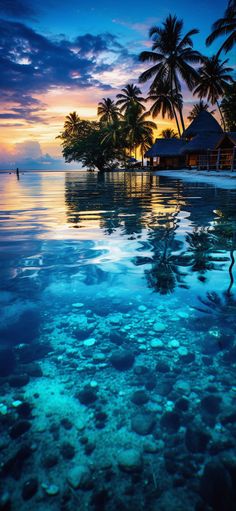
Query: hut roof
[204,122]
[166,147]
[202,142]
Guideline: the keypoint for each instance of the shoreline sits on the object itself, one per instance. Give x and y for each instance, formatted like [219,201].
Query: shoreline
[226,180]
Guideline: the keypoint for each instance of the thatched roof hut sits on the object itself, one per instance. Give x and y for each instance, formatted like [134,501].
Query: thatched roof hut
[202,143]
[166,147]
[203,123]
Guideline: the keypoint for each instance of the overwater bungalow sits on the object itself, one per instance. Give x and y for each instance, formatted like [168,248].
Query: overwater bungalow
[203,145]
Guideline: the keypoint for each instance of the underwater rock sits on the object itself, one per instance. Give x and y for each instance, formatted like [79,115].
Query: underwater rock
[143,424]
[24,329]
[139,397]
[170,421]
[29,489]
[130,460]
[50,489]
[122,360]
[182,404]
[159,327]
[18,380]
[156,344]
[24,409]
[14,465]
[7,362]
[34,369]
[79,477]
[216,487]
[67,451]
[87,396]
[164,387]
[66,423]
[150,381]
[19,429]
[196,439]
[27,353]
[211,404]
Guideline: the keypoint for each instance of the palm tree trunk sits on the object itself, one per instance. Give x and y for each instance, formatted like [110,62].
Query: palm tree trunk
[176,120]
[221,115]
[180,107]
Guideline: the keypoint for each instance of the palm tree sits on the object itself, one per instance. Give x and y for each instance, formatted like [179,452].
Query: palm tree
[145,143]
[172,55]
[165,101]
[130,95]
[169,133]
[225,26]
[228,107]
[108,111]
[214,79]
[72,123]
[136,127]
[197,108]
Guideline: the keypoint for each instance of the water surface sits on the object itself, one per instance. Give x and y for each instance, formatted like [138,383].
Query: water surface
[123,264]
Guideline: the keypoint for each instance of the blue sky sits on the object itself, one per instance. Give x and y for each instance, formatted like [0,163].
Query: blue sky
[60,56]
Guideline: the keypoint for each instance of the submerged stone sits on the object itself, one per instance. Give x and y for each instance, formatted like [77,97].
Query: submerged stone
[130,460]
[122,360]
[211,404]
[140,397]
[30,488]
[170,421]
[216,487]
[143,424]
[80,477]
[87,396]
[196,439]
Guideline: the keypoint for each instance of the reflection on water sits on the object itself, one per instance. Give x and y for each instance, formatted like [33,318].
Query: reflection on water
[142,265]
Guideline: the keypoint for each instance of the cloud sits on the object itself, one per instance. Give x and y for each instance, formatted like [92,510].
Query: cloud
[32,64]
[28,155]
[141,27]
[16,9]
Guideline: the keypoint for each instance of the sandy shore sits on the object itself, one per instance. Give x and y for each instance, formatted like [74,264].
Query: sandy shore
[226,179]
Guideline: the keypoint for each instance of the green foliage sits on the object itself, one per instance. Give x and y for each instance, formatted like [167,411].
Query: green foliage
[228,107]
[87,145]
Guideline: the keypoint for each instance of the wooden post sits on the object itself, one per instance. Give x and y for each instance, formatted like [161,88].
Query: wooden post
[233,156]
[208,162]
[218,160]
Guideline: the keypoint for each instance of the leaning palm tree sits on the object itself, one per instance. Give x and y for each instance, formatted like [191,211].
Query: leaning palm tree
[165,101]
[72,124]
[172,55]
[197,108]
[225,26]
[169,133]
[108,111]
[214,78]
[129,96]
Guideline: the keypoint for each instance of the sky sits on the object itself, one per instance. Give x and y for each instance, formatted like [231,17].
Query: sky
[62,56]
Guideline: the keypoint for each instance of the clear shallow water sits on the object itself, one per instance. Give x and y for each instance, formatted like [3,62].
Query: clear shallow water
[130,263]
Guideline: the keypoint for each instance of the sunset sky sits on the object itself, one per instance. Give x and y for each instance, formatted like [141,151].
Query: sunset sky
[68,55]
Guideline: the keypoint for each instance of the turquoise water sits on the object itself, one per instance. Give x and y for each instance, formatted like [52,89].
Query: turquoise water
[118,347]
